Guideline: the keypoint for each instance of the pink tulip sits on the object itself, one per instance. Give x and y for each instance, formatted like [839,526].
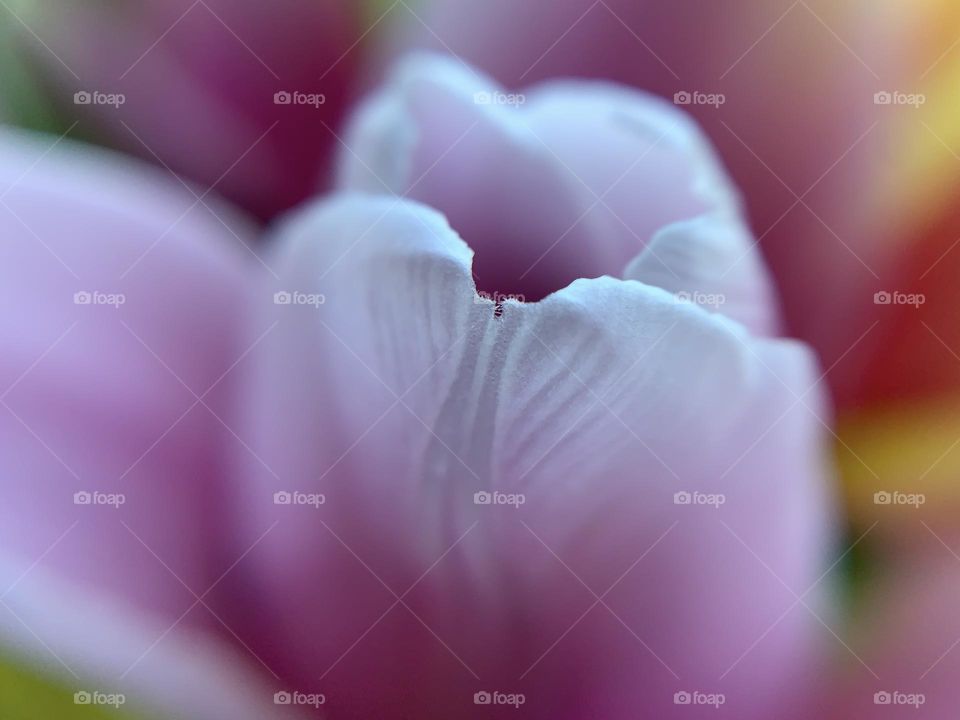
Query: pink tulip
[503,482]
[336,469]
[793,115]
[198,82]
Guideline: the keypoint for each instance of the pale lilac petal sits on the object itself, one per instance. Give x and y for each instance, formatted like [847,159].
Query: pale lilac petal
[324,418]
[417,137]
[103,398]
[712,262]
[566,180]
[404,394]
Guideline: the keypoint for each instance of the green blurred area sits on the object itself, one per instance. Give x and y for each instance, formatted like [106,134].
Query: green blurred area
[28,695]
[24,99]
[375,8]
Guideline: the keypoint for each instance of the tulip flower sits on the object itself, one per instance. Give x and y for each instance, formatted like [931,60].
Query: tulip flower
[504,423]
[838,182]
[546,445]
[232,94]
[854,102]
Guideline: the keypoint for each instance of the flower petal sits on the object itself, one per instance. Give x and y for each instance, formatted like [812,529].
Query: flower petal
[405,394]
[119,293]
[712,262]
[582,177]
[781,73]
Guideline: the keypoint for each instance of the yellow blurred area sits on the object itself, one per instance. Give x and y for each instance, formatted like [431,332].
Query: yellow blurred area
[26,694]
[912,449]
[924,162]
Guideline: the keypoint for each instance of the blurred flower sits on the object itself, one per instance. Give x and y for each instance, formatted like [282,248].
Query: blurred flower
[605,503]
[235,94]
[905,656]
[121,297]
[916,361]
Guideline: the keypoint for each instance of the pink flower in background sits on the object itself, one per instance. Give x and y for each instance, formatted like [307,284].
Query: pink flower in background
[907,641]
[122,299]
[235,94]
[607,501]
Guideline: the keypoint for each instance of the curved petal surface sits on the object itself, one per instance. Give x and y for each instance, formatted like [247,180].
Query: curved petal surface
[120,294]
[566,180]
[582,500]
